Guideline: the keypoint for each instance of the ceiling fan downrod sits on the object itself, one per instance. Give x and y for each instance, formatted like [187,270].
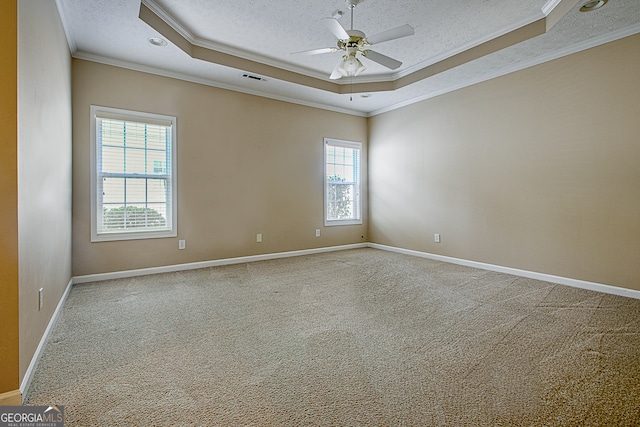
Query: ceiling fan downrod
[351,4]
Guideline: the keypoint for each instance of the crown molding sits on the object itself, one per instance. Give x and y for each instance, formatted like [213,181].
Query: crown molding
[594,42]
[207,82]
[550,6]
[376,83]
[226,49]
[550,56]
[472,44]
[71,41]
[533,26]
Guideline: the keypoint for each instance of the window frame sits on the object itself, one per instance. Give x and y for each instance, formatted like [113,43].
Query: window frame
[358,185]
[98,112]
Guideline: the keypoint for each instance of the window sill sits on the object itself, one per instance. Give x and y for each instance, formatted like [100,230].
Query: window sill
[112,237]
[342,222]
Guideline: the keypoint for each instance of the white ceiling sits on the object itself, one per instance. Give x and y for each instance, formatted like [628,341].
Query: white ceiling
[267,31]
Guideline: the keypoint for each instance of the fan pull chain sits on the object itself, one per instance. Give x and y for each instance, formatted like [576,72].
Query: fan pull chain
[351,90]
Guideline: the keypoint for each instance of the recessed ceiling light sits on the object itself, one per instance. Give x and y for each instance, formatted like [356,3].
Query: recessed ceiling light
[157,41]
[593,5]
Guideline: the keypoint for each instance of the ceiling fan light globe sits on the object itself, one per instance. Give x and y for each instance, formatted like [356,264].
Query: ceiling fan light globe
[351,66]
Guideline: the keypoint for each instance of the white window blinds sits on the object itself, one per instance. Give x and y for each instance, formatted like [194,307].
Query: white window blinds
[342,182]
[134,187]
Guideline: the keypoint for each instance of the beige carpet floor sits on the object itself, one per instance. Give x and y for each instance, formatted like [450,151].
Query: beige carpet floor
[359,337]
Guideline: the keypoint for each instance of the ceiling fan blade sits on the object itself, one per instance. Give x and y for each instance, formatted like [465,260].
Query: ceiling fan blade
[394,33]
[336,29]
[336,73]
[382,59]
[316,51]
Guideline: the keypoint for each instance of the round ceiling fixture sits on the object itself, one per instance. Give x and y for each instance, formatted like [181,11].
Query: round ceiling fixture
[157,41]
[593,5]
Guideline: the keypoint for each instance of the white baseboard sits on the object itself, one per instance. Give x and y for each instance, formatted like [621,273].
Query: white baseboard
[28,376]
[205,264]
[598,287]
[26,381]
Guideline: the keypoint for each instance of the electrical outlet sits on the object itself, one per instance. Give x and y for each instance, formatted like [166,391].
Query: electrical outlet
[40,298]
[436,238]
[259,237]
[317,232]
[182,244]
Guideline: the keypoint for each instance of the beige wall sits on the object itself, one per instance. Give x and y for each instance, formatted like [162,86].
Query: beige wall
[537,170]
[246,165]
[9,332]
[44,168]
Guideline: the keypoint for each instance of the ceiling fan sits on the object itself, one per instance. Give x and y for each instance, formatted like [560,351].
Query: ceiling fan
[354,41]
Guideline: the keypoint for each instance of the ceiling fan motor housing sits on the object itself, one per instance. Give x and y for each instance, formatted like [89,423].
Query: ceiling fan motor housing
[356,40]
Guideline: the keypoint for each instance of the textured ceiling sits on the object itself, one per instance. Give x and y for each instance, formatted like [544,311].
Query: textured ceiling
[456,43]
[275,29]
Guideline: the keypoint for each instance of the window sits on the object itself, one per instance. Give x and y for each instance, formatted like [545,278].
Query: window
[133,165]
[342,198]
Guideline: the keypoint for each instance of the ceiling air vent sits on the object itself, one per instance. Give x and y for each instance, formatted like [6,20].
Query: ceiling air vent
[256,78]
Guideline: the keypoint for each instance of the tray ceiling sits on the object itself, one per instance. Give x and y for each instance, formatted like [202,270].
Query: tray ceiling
[456,43]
